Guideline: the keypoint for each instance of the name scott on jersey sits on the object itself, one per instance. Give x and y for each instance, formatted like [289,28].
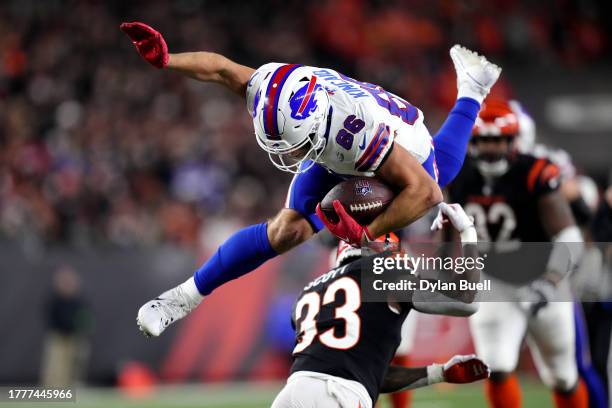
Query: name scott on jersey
[325,277]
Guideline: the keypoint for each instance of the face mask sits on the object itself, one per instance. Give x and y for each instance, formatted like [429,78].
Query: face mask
[493,168]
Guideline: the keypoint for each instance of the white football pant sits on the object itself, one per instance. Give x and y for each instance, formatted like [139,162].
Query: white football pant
[306,389]
[498,329]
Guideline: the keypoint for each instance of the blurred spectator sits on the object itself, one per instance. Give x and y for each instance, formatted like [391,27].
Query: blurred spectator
[69,321]
[95,145]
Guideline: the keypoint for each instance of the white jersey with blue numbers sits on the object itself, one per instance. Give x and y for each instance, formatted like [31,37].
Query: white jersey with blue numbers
[363,122]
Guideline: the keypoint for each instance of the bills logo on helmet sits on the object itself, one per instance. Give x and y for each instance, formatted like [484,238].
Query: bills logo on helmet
[363,188]
[303,102]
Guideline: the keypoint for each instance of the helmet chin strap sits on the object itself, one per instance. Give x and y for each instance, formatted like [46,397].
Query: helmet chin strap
[493,169]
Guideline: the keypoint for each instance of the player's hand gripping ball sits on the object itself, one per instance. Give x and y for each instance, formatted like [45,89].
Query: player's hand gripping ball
[149,42]
[465,369]
[346,229]
[363,198]
[351,205]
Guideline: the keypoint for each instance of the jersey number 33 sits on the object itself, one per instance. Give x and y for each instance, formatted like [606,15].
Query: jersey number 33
[307,313]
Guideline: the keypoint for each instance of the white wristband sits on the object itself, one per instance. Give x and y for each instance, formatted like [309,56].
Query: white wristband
[469,235]
[466,91]
[435,374]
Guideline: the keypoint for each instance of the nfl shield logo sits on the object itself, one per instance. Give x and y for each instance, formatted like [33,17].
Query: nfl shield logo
[362,188]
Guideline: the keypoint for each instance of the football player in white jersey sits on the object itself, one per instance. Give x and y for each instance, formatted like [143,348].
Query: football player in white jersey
[324,127]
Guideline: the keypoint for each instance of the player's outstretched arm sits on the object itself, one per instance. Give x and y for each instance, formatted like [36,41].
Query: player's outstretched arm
[559,224]
[418,192]
[211,67]
[400,378]
[568,246]
[457,370]
[203,66]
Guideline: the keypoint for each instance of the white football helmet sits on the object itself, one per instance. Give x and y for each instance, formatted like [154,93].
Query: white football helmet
[526,137]
[289,110]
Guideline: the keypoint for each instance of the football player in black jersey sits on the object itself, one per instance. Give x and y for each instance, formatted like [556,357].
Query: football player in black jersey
[514,198]
[344,346]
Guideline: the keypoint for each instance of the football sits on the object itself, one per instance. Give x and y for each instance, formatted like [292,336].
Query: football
[364,198]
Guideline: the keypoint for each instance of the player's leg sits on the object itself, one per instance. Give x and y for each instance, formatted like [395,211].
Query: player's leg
[252,246]
[595,385]
[551,340]
[308,189]
[285,398]
[313,392]
[475,77]
[497,331]
[244,251]
[402,358]
[451,141]
[240,254]
[609,367]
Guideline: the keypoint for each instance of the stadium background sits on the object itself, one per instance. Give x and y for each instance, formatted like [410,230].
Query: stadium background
[131,176]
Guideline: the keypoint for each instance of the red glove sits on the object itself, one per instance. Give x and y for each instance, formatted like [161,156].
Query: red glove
[150,44]
[347,229]
[465,369]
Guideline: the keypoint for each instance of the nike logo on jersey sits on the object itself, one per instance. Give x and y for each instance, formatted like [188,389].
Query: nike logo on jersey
[363,140]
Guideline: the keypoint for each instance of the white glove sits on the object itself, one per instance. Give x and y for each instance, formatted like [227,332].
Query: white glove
[475,74]
[460,220]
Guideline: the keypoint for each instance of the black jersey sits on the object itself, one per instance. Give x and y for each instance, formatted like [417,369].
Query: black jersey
[337,334]
[505,208]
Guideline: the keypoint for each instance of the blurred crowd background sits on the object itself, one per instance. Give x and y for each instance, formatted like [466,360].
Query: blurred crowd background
[97,146]
[117,179]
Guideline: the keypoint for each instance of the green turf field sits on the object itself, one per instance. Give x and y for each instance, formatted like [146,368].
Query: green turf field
[261,395]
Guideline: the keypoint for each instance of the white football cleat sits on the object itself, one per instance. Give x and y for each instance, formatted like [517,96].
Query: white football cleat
[169,307]
[475,74]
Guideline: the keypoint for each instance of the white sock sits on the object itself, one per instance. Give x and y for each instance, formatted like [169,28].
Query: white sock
[467,91]
[190,289]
